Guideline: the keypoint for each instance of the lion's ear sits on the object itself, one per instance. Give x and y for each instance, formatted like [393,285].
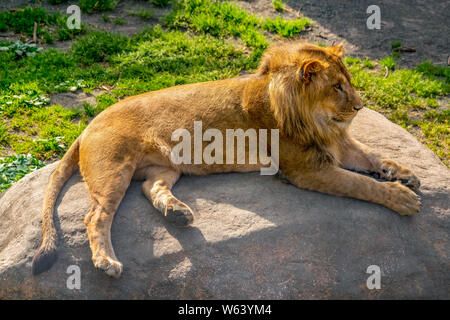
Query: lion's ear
[310,67]
[337,50]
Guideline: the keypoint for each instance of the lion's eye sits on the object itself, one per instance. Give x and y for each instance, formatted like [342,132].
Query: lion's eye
[338,87]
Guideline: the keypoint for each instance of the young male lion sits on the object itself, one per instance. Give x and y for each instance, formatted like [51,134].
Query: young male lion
[301,89]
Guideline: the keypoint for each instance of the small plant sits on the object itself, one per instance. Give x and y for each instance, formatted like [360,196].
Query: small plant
[56,1]
[48,37]
[13,168]
[4,134]
[22,49]
[286,28]
[368,64]
[105,17]
[278,5]
[89,110]
[97,5]
[97,46]
[160,3]
[388,62]
[431,71]
[70,85]
[3,26]
[396,54]
[65,33]
[10,104]
[119,21]
[143,14]
[396,44]
[22,20]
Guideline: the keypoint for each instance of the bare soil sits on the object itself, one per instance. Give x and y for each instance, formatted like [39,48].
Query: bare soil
[419,24]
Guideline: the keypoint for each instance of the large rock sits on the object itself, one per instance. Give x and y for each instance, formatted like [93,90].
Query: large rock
[254,237]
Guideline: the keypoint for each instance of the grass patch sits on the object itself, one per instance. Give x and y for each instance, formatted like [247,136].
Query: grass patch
[22,20]
[410,99]
[278,5]
[56,1]
[119,21]
[143,14]
[98,46]
[396,44]
[160,3]
[90,6]
[286,28]
[368,63]
[432,71]
[388,62]
[49,25]
[226,19]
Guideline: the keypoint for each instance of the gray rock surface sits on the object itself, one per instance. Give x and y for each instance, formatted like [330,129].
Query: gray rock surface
[254,237]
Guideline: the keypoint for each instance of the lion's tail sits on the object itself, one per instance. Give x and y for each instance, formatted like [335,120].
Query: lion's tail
[47,253]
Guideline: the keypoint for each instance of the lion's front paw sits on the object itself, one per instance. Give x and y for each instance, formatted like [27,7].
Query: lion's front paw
[401,199]
[111,267]
[391,170]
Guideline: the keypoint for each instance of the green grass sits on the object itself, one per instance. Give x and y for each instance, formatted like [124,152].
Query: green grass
[227,19]
[286,28]
[388,62]
[56,1]
[98,46]
[160,3]
[119,21]
[432,71]
[22,20]
[143,14]
[97,5]
[278,5]
[49,25]
[396,44]
[368,63]
[410,99]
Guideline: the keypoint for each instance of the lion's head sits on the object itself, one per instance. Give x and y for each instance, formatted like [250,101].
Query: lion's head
[310,90]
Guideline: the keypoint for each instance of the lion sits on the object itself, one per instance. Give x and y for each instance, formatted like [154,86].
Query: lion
[301,89]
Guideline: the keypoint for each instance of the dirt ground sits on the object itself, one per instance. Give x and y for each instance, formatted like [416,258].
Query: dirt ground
[419,24]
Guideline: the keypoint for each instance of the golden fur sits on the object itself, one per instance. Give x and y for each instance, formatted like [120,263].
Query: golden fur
[301,89]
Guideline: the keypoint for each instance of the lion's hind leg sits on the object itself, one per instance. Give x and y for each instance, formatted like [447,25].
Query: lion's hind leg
[157,188]
[98,224]
[107,191]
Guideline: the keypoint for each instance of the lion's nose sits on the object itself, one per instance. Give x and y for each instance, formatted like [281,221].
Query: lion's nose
[359,107]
